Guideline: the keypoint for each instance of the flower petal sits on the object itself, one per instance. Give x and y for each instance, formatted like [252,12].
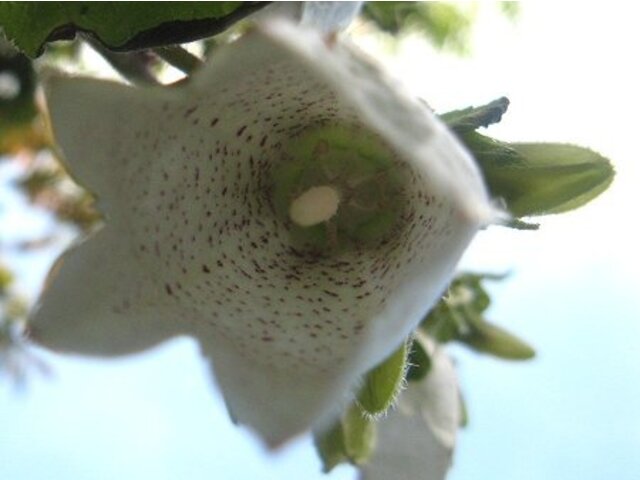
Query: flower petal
[329,16]
[326,17]
[90,120]
[98,302]
[186,177]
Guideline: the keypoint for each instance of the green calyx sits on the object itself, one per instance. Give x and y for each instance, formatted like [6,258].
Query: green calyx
[338,187]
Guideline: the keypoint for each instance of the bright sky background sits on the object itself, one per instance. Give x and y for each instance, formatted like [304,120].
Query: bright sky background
[570,413]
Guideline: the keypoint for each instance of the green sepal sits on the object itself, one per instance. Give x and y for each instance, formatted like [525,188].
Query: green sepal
[330,447]
[531,178]
[351,439]
[119,25]
[472,118]
[489,338]
[518,224]
[418,362]
[464,411]
[459,317]
[441,323]
[565,177]
[539,178]
[359,435]
[382,384]
[479,299]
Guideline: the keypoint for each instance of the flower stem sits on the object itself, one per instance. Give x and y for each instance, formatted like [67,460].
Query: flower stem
[132,66]
[179,58]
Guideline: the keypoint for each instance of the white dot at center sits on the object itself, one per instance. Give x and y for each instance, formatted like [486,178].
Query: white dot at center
[316,205]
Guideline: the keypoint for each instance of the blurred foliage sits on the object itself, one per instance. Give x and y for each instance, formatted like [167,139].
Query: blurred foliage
[511,10]
[17,88]
[25,139]
[17,99]
[16,360]
[446,25]
[459,316]
[51,188]
[24,136]
[6,278]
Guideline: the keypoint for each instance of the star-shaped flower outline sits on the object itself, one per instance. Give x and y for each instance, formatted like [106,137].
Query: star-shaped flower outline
[190,245]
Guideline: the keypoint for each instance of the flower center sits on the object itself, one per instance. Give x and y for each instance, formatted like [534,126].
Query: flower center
[338,187]
[316,205]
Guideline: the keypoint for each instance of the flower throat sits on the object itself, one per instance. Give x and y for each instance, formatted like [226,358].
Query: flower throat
[338,188]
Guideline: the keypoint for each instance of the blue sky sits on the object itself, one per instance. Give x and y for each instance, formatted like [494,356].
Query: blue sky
[570,413]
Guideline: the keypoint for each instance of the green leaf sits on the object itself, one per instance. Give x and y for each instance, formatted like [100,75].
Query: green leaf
[382,384]
[119,25]
[540,178]
[472,118]
[350,439]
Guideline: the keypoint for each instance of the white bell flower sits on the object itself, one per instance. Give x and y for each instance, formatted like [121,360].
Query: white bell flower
[213,228]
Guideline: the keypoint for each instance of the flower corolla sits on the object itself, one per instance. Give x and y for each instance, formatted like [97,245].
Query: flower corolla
[213,228]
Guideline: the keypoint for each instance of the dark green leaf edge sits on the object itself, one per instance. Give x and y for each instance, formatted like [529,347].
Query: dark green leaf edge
[163,34]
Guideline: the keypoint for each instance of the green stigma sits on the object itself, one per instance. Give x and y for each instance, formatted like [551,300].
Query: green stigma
[338,187]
